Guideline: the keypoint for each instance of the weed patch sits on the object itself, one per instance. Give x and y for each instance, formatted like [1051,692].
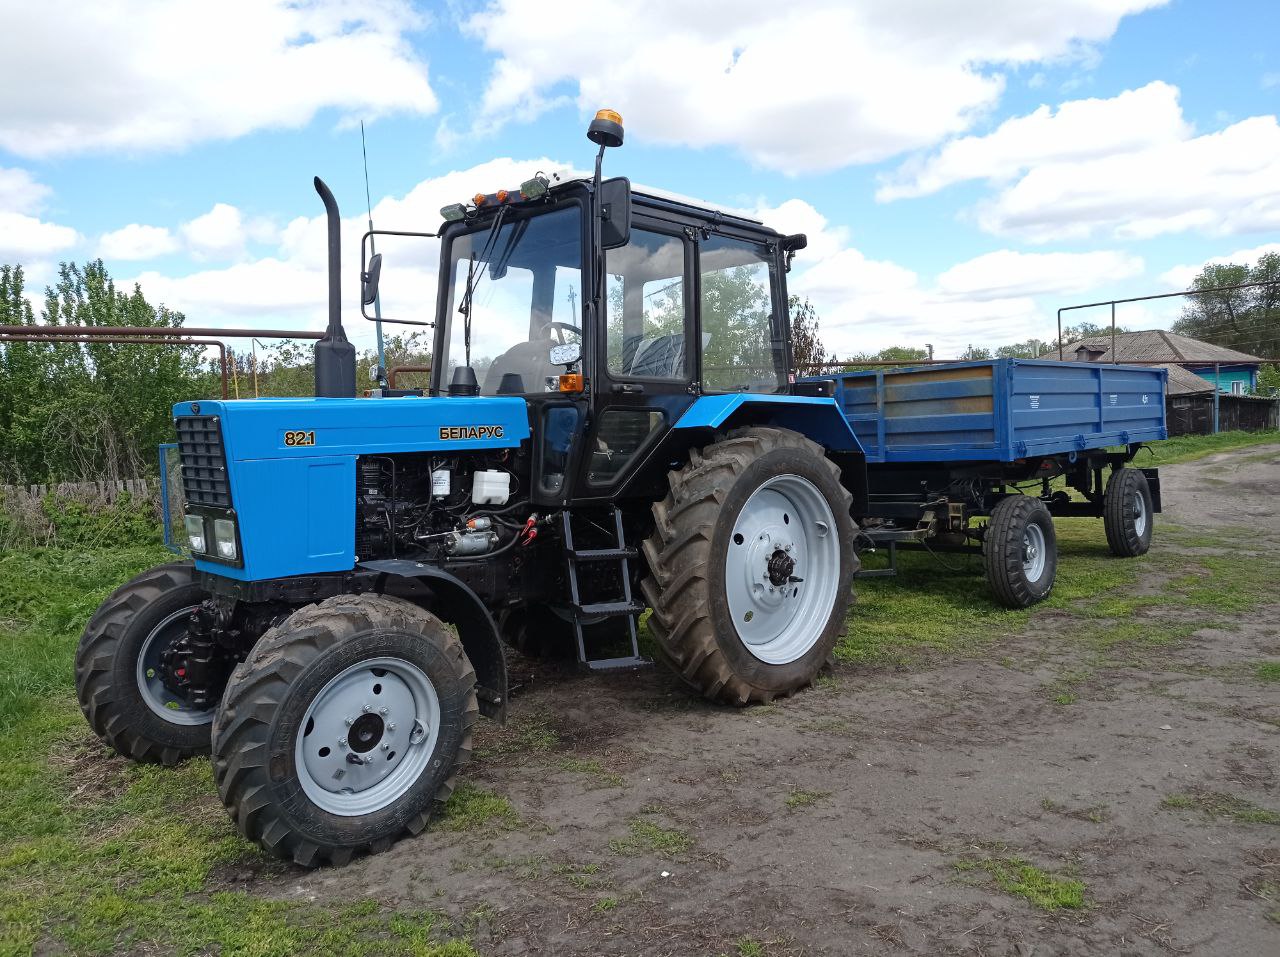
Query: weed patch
[470,808]
[799,798]
[1221,806]
[644,835]
[1016,877]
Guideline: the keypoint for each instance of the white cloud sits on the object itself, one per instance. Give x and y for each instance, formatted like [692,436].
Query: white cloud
[136,241]
[809,85]
[23,237]
[138,75]
[19,191]
[1007,273]
[1180,277]
[218,234]
[1078,130]
[1220,183]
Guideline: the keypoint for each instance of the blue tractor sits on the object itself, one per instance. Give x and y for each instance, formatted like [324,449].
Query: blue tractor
[611,426]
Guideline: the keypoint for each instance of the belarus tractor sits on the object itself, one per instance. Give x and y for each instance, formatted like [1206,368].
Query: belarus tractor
[610,428]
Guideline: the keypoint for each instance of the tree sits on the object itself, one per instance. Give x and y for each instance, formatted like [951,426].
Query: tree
[973,353]
[1027,349]
[1247,320]
[806,346]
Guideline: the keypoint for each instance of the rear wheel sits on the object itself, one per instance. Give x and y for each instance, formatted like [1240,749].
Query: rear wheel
[1127,513]
[118,668]
[344,729]
[1020,550]
[751,566]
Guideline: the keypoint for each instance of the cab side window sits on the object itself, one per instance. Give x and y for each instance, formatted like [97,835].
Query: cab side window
[645,308]
[742,350]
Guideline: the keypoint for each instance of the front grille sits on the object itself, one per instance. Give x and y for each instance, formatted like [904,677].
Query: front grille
[204,461]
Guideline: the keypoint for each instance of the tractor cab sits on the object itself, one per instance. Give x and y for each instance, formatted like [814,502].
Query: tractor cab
[610,311]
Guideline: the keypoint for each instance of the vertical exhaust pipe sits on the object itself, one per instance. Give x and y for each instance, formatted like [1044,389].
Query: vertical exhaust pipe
[335,357]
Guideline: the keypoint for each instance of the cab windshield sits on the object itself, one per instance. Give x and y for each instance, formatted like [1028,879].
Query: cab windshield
[525,280]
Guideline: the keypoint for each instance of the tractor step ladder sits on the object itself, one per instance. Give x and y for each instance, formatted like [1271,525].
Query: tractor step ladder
[597,611]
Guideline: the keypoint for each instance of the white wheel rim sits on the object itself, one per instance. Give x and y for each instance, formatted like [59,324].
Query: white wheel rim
[1139,514]
[165,703]
[782,569]
[367,736]
[1033,552]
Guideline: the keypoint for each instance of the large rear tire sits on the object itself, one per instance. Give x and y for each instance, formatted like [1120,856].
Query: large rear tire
[1127,513]
[344,729]
[1020,550]
[751,566]
[117,668]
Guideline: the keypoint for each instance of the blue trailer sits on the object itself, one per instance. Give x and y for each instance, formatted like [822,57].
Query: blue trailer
[948,443]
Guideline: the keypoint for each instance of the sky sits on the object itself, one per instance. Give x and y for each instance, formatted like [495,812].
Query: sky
[962,170]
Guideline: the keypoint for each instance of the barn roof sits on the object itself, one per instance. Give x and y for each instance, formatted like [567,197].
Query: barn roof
[1152,345]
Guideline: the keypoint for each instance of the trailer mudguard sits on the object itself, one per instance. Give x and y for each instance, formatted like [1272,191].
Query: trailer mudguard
[816,417]
[461,607]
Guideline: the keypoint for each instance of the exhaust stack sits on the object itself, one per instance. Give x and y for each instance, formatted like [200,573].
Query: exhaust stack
[335,357]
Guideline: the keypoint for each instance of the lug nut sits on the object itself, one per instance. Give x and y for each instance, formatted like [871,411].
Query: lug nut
[366,709]
[391,727]
[385,746]
[342,742]
[350,722]
[383,712]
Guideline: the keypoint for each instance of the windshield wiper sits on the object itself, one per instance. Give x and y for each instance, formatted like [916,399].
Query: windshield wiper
[473,283]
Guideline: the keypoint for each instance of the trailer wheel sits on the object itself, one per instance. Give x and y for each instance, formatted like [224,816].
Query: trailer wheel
[751,564]
[117,661]
[1127,513]
[1020,550]
[344,729]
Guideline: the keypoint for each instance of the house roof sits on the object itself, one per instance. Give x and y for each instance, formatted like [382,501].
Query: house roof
[1183,381]
[1153,345]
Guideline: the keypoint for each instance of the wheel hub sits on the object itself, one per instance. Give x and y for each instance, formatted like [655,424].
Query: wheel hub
[780,567]
[366,732]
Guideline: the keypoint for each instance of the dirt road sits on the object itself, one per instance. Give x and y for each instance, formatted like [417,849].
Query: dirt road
[903,811]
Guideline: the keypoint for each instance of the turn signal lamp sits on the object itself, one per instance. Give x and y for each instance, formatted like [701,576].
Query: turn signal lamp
[502,195]
[571,382]
[479,199]
[453,213]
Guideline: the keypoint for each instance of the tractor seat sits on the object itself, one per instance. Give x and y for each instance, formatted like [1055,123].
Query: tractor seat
[529,360]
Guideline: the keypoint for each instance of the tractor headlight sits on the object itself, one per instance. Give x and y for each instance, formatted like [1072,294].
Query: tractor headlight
[224,538]
[195,533]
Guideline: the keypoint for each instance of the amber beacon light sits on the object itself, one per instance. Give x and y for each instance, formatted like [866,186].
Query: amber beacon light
[606,129]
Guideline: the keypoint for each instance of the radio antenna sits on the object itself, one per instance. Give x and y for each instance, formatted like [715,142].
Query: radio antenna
[380,374]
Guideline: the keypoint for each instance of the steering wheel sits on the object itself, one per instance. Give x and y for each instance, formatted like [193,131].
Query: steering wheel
[561,328]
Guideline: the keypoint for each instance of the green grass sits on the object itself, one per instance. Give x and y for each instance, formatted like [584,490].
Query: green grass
[1016,877]
[471,808]
[645,835]
[1267,671]
[100,856]
[749,947]
[1221,806]
[800,798]
[600,776]
[1188,448]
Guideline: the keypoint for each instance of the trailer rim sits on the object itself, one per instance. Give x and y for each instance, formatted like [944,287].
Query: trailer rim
[1139,513]
[781,569]
[1033,552]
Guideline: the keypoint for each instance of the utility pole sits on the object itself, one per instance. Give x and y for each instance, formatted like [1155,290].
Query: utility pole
[929,346]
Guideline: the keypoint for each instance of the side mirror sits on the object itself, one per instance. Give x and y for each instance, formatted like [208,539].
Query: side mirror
[615,203]
[369,280]
[566,355]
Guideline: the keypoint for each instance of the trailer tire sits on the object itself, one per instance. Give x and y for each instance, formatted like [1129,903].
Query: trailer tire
[1020,550]
[127,707]
[1127,513]
[344,669]
[738,491]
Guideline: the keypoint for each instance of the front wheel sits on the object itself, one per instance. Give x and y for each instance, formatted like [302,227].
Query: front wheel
[751,565]
[119,668]
[344,729]
[1020,550]
[1127,513]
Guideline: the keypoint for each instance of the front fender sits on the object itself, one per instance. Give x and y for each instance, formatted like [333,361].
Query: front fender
[461,607]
